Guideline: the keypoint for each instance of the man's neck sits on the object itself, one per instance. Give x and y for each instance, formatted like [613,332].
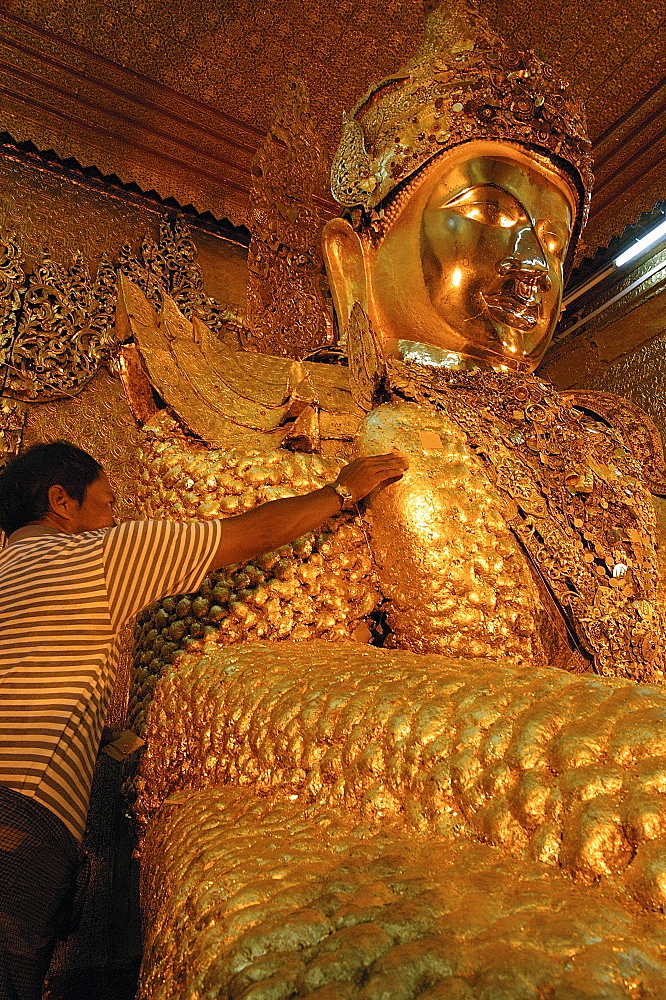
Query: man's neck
[36,528]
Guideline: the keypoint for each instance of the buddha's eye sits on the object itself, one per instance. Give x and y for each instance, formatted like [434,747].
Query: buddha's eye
[554,237]
[489,205]
[486,212]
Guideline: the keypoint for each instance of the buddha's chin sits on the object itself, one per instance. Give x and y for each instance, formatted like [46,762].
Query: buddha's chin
[508,351]
[519,361]
[490,360]
[516,347]
[488,341]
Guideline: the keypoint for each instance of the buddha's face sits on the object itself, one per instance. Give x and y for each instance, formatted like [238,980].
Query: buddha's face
[472,263]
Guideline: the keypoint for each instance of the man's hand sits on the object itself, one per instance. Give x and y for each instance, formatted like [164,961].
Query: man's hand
[361,476]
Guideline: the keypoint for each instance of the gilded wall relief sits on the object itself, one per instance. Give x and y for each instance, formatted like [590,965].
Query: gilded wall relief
[66,211]
[58,323]
[287,310]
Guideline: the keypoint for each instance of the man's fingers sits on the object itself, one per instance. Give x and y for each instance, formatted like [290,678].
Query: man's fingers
[390,466]
[392,456]
[364,474]
[389,470]
[387,462]
[389,477]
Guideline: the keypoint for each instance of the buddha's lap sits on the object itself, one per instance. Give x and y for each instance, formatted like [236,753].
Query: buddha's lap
[568,770]
[250,896]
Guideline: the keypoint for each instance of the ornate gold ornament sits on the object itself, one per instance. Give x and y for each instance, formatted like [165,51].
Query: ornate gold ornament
[463,83]
[367,365]
[12,289]
[229,397]
[639,431]
[169,266]
[64,331]
[57,323]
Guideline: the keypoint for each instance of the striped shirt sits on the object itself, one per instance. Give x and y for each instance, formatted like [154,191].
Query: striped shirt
[63,600]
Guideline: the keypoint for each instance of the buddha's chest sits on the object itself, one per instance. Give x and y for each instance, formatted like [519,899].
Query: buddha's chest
[453,573]
[518,466]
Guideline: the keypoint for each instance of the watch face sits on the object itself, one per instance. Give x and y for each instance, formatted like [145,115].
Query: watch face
[345,495]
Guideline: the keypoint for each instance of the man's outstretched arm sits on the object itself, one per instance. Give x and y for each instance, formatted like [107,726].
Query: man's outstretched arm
[279,522]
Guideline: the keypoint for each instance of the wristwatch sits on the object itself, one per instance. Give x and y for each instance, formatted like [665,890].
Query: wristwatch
[346,496]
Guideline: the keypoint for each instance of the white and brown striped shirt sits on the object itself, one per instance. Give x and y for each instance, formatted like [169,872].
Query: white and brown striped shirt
[63,600]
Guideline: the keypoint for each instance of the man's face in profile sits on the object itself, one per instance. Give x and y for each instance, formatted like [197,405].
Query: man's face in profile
[96,511]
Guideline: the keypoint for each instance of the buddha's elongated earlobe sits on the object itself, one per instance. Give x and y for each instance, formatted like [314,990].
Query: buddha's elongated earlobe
[345,266]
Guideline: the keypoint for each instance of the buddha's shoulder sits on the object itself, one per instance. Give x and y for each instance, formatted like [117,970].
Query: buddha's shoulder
[638,430]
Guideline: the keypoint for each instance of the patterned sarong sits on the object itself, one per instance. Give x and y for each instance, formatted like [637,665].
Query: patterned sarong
[40,872]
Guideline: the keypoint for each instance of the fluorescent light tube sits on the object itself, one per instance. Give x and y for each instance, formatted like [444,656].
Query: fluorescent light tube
[646,241]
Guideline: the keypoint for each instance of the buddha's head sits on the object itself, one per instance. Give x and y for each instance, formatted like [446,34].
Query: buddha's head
[465,180]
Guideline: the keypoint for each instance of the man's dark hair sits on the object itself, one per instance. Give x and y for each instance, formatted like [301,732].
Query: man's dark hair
[25,483]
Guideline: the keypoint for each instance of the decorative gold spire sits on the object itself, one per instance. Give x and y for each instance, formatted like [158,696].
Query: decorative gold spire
[463,83]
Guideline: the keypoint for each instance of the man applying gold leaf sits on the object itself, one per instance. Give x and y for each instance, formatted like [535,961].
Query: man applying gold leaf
[70,578]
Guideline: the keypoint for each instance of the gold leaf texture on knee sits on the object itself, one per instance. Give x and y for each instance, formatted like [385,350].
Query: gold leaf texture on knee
[252,898]
[562,769]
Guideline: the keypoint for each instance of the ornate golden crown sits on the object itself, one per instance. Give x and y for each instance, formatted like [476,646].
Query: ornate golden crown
[463,83]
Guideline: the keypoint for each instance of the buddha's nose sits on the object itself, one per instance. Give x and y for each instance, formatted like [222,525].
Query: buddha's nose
[527,261]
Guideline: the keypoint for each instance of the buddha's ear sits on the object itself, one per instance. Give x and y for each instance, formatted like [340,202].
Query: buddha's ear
[345,266]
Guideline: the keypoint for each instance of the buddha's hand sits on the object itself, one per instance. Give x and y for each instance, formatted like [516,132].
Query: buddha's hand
[363,475]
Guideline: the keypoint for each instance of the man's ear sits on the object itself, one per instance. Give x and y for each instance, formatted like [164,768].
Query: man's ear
[60,502]
[345,266]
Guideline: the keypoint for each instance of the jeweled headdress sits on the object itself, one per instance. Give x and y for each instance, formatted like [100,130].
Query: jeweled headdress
[463,83]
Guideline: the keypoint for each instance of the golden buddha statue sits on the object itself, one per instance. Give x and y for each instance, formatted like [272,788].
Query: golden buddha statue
[448,817]
[519,514]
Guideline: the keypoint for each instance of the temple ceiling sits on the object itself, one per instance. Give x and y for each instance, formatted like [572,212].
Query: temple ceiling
[176,97]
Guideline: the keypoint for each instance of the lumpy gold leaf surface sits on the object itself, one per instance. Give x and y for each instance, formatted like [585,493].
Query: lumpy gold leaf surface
[250,897]
[455,576]
[563,769]
[322,585]
[332,820]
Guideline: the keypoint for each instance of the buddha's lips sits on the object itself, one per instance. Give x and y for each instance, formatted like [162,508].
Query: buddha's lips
[514,310]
